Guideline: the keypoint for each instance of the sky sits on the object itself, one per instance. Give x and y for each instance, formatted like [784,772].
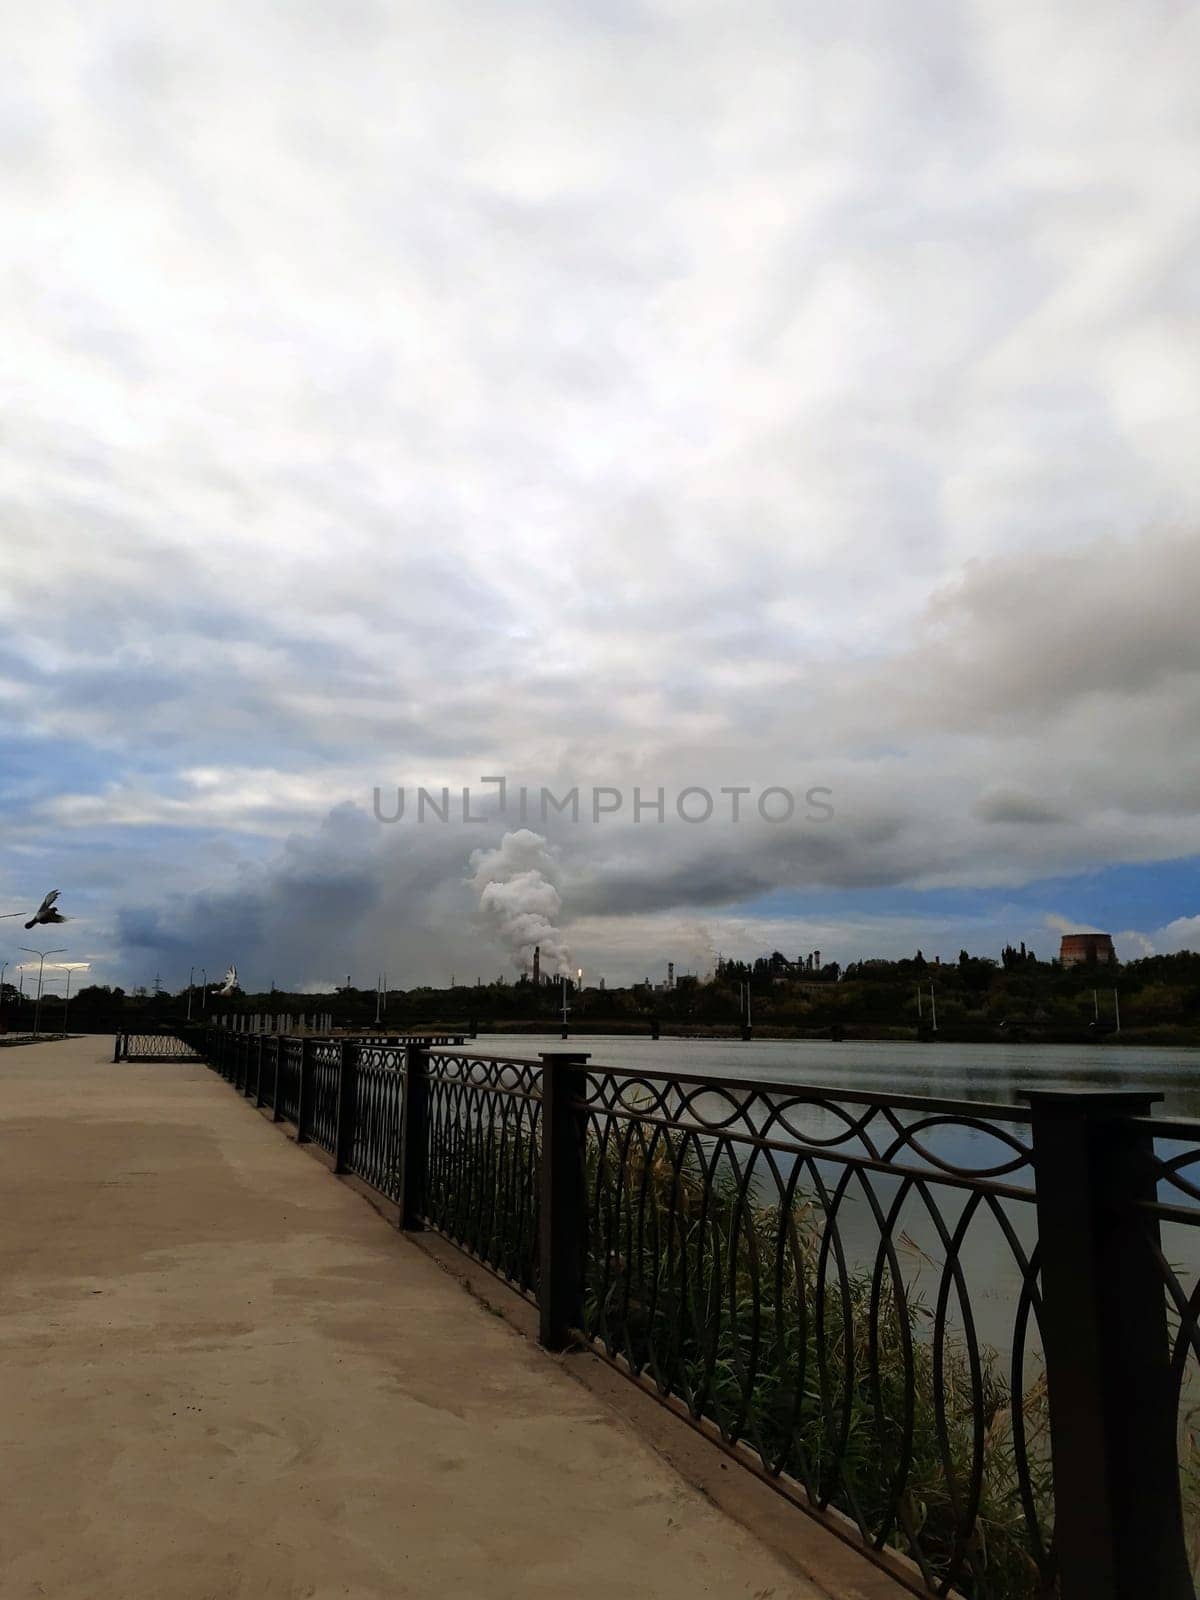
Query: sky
[658,395]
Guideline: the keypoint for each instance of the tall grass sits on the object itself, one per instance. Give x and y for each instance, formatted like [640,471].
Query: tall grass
[827,1368]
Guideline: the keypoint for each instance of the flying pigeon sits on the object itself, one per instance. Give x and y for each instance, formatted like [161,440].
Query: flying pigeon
[46,912]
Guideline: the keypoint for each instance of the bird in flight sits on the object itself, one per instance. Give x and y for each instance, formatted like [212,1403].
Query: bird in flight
[46,912]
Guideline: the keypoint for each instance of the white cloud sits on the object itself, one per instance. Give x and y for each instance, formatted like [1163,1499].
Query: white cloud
[1181,934]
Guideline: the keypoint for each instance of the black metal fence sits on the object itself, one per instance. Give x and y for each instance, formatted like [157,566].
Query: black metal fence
[794,1266]
[375,1154]
[153,1047]
[481,1160]
[963,1335]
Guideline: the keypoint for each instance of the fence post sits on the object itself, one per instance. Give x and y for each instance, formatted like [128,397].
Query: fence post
[414,1136]
[304,1092]
[281,1051]
[562,1213]
[117,1048]
[347,1105]
[258,1058]
[1113,1412]
[258,1087]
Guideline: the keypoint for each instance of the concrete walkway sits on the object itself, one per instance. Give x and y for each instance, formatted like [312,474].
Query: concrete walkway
[223,1374]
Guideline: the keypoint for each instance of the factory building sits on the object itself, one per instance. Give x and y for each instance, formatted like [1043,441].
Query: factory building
[1086,949]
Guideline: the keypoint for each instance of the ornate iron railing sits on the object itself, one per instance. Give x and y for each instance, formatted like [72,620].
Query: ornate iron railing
[481,1173]
[791,1266]
[287,1096]
[379,1084]
[326,1063]
[242,1062]
[272,1051]
[163,1046]
[901,1311]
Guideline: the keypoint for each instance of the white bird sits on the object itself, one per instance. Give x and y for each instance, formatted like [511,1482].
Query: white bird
[46,912]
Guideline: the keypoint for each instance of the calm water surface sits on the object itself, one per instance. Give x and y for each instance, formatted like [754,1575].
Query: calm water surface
[957,1071]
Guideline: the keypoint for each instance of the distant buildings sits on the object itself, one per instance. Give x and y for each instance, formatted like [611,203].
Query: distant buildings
[1086,949]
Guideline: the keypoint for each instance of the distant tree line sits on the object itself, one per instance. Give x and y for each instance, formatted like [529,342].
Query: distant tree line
[976,997]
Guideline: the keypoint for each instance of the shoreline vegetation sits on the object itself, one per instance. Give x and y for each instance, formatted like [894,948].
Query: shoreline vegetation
[1168,1038]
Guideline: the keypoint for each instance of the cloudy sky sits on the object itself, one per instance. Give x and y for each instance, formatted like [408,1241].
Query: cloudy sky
[653,392]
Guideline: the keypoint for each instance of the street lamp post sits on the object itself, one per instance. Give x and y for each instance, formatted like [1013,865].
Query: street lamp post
[48,989]
[41,955]
[191,977]
[204,988]
[67,1003]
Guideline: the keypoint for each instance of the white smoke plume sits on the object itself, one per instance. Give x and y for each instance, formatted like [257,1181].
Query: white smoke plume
[1059,924]
[518,901]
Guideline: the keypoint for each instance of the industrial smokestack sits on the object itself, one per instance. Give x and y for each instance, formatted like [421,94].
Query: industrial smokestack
[537,965]
[670,974]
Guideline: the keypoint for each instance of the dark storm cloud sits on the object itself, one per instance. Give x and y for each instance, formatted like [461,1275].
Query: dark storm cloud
[1008,805]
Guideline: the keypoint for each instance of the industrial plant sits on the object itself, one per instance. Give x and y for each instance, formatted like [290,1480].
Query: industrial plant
[1087,949]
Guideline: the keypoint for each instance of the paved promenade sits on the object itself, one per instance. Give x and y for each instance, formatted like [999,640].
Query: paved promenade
[223,1374]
